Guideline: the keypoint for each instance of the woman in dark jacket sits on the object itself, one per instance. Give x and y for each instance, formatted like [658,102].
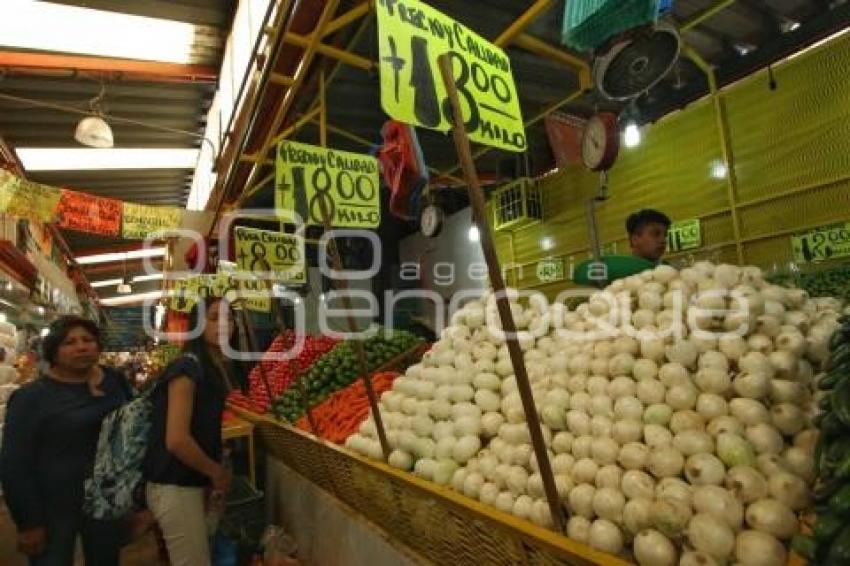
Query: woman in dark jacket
[50,438]
[184,456]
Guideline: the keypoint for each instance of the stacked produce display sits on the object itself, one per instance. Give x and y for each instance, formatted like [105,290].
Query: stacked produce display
[338,368]
[676,408]
[339,416]
[829,543]
[280,373]
[828,281]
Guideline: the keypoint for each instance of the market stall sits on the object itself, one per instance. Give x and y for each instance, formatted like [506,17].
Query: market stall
[668,417]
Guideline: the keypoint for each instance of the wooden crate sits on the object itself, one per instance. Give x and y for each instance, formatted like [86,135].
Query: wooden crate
[439,524]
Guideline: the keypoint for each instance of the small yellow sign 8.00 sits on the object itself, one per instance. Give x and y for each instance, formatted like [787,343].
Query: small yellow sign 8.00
[278,254]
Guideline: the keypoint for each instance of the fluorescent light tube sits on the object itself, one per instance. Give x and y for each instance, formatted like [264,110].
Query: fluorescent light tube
[124,299]
[137,279]
[83,159]
[45,26]
[120,256]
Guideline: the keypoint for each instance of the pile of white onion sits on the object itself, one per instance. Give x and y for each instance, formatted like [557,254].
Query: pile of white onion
[695,450]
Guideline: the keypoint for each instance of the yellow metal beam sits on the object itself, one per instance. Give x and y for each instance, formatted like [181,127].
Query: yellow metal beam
[522,22]
[706,14]
[347,18]
[725,146]
[283,80]
[305,119]
[339,54]
[544,49]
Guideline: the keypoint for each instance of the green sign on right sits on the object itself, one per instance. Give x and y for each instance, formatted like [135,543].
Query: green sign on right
[684,235]
[821,244]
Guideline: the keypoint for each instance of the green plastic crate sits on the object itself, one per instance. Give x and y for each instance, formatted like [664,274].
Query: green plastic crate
[590,23]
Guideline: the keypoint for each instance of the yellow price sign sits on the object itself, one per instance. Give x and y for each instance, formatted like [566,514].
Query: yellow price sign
[263,251]
[821,244]
[411,36]
[186,292]
[347,182]
[138,221]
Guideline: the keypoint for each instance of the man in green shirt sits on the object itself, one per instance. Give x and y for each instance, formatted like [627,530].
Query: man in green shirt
[648,234]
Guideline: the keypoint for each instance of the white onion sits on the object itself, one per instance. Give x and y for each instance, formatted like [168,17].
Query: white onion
[765,439]
[704,469]
[633,456]
[608,504]
[582,446]
[652,548]
[563,463]
[681,397]
[578,529]
[715,500]
[665,462]
[504,502]
[749,411]
[626,431]
[400,459]
[772,517]
[787,418]
[581,500]
[769,464]
[673,373]
[746,483]
[658,414]
[675,488]
[682,352]
[711,405]
[670,516]
[713,380]
[755,548]
[562,442]
[601,426]
[609,475]
[692,441]
[752,385]
[789,490]
[584,471]
[578,422]
[605,536]
[637,515]
[605,450]
[650,391]
[709,534]
[637,485]
[656,436]
[628,407]
[799,462]
[686,420]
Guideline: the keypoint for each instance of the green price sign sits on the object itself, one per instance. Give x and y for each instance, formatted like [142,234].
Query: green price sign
[411,36]
[821,244]
[684,235]
[550,270]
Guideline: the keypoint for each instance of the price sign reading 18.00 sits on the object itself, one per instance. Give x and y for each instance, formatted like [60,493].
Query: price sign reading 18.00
[262,251]
[411,37]
[306,175]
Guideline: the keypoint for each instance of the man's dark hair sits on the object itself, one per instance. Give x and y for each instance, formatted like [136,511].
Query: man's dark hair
[59,330]
[635,222]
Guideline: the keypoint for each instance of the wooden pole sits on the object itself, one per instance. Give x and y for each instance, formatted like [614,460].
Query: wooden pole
[479,207]
[342,285]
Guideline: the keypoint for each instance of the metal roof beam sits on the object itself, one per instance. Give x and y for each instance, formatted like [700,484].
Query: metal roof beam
[706,14]
[147,70]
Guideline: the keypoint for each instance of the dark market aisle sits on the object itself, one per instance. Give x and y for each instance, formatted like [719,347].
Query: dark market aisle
[141,553]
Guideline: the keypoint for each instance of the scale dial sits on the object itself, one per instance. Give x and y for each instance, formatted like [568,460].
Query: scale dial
[600,142]
[431,221]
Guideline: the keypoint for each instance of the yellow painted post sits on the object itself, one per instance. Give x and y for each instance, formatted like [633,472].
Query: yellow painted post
[725,147]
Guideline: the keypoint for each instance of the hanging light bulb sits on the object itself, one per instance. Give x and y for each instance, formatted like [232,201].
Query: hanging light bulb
[93,130]
[474,234]
[631,135]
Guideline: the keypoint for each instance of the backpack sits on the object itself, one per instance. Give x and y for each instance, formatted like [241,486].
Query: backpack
[119,460]
[118,472]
